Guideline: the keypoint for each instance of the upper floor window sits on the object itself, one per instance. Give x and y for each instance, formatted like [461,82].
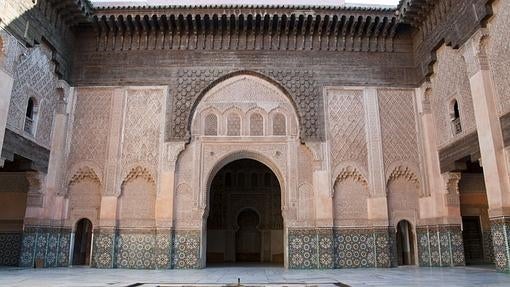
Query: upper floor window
[455,117]
[256,125]
[211,125]
[31,116]
[279,125]
[233,125]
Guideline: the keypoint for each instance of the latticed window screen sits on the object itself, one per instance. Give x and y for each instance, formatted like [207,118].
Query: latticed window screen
[233,125]
[211,125]
[279,125]
[256,125]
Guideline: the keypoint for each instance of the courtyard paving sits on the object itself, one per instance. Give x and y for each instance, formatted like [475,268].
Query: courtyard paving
[254,276]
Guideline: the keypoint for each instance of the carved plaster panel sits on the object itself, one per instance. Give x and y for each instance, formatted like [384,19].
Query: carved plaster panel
[498,52]
[142,129]
[33,78]
[346,127]
[89,140]
[398,126]
[301,86]
[450,81]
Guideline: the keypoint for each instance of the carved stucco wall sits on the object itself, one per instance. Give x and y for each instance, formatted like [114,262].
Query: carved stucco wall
[137,203]
[84,201]
[11,50]
[191,84]
[89,142]
[346,128]
[403,203]
[398,127]
[236,100]
[450,81]
[350,202]
[32,70]
[306,203]
[142,130]
[498,52]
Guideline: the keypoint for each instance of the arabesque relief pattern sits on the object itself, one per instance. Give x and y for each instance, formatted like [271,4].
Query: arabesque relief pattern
[299,84]
[33,77]
[498,49]
[450,82]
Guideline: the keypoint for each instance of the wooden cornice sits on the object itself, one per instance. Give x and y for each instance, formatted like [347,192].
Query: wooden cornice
[246,28]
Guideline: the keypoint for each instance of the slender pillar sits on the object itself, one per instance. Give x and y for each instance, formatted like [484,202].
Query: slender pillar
[494,159]
[377,203]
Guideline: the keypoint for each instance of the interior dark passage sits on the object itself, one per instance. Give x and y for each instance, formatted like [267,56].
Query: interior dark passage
[245,222]
[405,243]
[474,208]
[82,242]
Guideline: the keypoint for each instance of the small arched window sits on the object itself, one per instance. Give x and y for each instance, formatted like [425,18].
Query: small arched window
[256,125]
[233,125]
[455,117]
[279,125]
[31,116]
[211,125]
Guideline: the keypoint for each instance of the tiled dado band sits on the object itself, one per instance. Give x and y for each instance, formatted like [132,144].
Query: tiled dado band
[47,245]
[146,249]
[341,248]
[501,242]
[440,245]
[10,248]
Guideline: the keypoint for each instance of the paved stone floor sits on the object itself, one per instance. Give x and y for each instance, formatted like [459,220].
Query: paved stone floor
[254,276]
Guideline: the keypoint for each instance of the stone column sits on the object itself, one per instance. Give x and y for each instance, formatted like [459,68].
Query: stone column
[105,235]
[54,203]
[492,146]
[165,204]
[438,232]
[377,203]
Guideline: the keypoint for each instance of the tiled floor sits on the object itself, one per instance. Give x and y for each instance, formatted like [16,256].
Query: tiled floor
[254,276]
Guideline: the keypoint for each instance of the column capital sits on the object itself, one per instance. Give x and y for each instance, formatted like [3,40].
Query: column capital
[35,195]
[172,152]
[474,52]
[451,188]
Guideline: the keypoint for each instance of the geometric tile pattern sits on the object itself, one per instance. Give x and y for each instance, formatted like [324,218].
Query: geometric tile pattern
[186,249]
[303,249]
[488,250]
[440,246]
[131,249]
[340,248]
[500,239]
[135,251]
[10,247]
[47,245]
[104,248]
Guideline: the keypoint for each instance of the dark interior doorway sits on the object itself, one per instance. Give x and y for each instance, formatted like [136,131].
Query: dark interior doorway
[248,237]
[82,242]
[405,243]
[473,240]
[245,222]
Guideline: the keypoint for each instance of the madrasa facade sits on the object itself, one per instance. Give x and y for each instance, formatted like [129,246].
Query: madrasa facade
[311,137]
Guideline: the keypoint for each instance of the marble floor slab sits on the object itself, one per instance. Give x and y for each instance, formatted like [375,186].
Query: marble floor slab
[253,276]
